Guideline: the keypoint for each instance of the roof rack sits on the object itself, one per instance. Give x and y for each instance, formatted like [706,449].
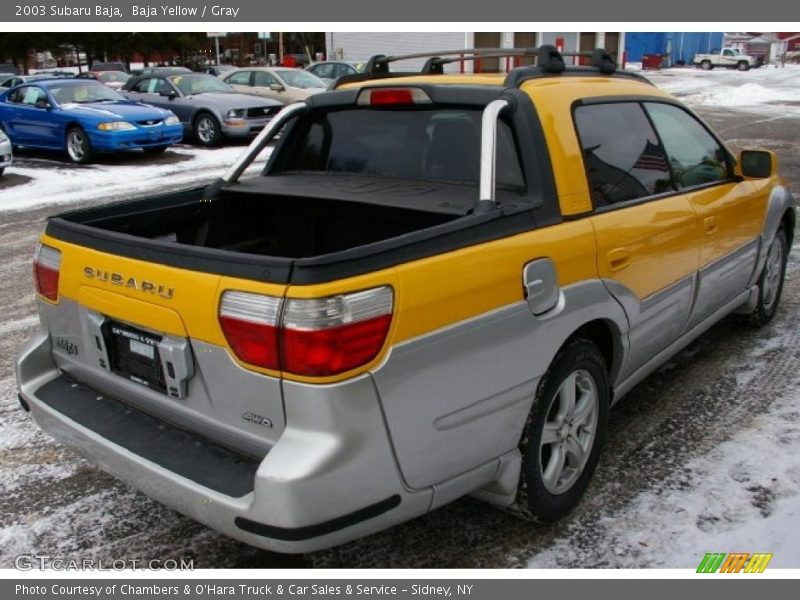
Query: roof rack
[549,61]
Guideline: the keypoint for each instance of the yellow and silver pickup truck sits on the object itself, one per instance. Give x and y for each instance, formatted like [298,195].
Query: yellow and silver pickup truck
[437,286]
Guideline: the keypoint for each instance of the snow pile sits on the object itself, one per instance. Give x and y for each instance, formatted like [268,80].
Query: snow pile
[743,496]
[130,175]
[764,89]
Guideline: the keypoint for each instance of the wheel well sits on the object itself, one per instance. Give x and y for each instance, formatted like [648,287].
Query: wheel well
[605,336]
[788,222]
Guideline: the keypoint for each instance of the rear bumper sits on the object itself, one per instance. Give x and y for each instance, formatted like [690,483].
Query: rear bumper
[330,478]
[141,137]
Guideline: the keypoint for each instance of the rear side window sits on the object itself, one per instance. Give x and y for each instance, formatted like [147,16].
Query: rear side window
[624,158]
[432,145]
[696,157]
[239,78]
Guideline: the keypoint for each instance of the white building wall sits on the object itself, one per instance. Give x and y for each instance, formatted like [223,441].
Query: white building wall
[360,46]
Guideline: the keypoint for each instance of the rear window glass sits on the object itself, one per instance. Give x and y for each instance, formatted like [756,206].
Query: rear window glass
[433,145]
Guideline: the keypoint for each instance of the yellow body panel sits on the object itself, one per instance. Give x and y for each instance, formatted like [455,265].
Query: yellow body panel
[649,246]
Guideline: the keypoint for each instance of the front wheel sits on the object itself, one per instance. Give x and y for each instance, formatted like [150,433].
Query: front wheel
[564,434]
[2,170]
[206,130]
[79,150]
[770,284]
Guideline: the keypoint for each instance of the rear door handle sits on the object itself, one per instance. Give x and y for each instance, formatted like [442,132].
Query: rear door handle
[710,225]
[618,259]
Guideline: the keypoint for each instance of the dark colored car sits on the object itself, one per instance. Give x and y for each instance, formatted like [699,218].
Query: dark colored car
[109,66]
[84,117]
[208,108]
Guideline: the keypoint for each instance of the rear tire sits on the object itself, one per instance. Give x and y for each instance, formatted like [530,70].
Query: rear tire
[742,66]
[770,283]
[706,65]
[1,171]
[77,146]
[564,433]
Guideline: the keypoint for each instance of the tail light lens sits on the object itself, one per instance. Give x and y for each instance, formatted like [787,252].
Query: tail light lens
[327,336]
[316,337]
[250,324]
[399,96]
[46,267]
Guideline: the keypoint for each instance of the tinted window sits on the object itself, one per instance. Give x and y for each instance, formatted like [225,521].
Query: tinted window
[694,154]
[322,70]
[623,157]
[142,86]
[438,144]
[239,78]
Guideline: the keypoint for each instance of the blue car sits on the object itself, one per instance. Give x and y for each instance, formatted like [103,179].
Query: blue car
[82,118]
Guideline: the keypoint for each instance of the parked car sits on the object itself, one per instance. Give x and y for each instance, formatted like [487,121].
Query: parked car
[6,152]
[218,70]
[109,66]
[331,70]
[15,80]
[9,68]
[731,58]
[209,109]
[436,287]
[113,79]
[279,83]
[83,118]
[163,70]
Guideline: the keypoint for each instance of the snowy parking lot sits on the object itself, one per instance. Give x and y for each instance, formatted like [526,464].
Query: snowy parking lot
[700,457]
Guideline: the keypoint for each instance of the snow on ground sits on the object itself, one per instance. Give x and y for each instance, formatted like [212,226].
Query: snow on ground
[769,89]
[53,182]
[743,496]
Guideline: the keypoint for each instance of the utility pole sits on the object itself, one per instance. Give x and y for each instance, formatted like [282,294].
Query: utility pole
[280,47]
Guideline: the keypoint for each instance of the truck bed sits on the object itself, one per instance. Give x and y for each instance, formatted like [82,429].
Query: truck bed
[289,228]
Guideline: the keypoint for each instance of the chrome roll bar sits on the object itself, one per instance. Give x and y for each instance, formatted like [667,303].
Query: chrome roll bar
[491,115]
[262,139]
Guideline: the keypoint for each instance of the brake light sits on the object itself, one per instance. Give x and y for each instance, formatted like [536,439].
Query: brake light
[46,268]
[316,337]
[327,336]
[250,324]
[393,96]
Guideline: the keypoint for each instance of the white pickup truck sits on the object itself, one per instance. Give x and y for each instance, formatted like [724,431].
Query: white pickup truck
[732,58]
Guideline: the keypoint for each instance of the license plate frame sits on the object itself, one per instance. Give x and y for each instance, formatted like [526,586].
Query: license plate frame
[134,355]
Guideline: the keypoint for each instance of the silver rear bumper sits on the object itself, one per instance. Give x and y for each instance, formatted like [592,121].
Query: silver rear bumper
[330,478]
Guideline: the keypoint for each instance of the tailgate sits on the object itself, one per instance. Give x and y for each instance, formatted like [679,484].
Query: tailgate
[149,335]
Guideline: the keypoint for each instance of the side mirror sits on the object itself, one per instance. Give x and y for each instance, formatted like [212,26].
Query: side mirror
[758,164]
[42,104]
[276,87]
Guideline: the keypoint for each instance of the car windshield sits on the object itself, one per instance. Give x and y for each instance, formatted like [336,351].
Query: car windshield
[85,92]
[198,84]
[300,79]
[113,76]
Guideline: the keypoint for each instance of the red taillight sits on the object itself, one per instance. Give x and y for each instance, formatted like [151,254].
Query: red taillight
[250,324]
[335,350]
[316,337]
[398,96]
[46,267]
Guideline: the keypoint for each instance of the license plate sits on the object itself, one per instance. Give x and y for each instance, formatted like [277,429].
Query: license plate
[134,355]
